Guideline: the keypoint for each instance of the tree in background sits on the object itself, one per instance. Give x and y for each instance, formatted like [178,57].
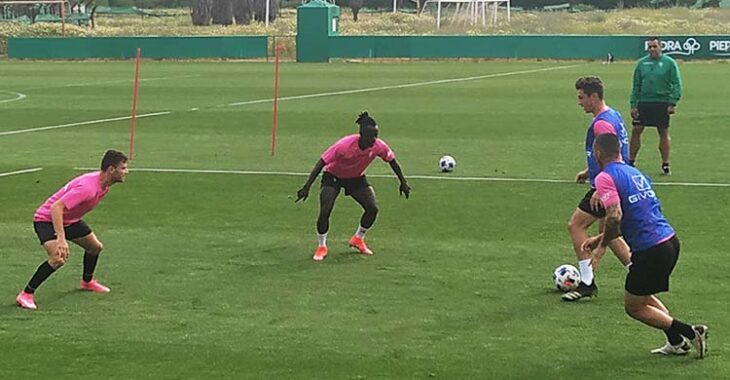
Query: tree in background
[243,11]
[201,12]
[355,5]
[222,12]
[260,10]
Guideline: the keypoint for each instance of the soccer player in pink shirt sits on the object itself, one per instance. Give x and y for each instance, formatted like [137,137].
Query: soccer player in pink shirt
[344,165]
[59,219]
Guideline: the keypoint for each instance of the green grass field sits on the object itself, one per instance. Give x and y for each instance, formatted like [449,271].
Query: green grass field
[211,274]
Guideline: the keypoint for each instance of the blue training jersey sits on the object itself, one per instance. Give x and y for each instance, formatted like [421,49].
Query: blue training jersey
[617,122]
[643,225]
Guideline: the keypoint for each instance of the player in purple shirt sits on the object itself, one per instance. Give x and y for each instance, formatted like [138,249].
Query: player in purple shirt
[605,121]
[344,165]
[58,219]
[632,208]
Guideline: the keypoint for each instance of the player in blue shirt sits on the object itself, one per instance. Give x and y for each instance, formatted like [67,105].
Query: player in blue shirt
[632,208]
[589,210]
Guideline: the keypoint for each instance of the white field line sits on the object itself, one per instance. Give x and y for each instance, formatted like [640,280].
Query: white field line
[24,171]
[445,177]
[18,96]
[407,85]
[100,121]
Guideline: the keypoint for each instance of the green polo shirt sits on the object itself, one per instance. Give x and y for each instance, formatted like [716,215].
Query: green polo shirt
[656,80]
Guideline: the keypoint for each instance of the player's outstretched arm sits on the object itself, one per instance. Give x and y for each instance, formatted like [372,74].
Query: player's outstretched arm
[404,188]
[612,230]
[303,193]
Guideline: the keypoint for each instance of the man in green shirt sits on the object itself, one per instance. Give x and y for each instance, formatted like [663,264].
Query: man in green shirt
[656,90]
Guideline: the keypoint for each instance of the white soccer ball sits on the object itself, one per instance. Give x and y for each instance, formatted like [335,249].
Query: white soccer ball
[447,164]
[566,278]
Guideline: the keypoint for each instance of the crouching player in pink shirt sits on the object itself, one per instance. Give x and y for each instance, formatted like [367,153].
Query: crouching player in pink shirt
[59,219]
[344,165]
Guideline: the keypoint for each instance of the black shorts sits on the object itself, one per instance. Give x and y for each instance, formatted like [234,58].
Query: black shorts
[350,184]
[45,231]
[652,115]
[585,205]
[650,269]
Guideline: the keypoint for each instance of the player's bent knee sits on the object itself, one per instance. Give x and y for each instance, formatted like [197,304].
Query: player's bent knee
[95,249]
[634,309]
[56,262]
[576,225]
[630,310]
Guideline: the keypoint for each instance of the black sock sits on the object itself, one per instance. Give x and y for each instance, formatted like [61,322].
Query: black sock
[44,271]
[632,162]
[674,338]
[89,266]
[683,329]
[665,164]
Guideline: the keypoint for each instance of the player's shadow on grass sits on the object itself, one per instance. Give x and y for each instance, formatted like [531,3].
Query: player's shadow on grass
[552,293]
[56,298]
[344,256]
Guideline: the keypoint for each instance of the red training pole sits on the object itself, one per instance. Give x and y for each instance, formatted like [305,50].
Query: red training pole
[134,106]
[276,100]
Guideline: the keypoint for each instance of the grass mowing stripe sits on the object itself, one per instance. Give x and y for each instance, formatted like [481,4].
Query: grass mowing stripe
[85,84]
[407,85]
[308,96]
[426,177]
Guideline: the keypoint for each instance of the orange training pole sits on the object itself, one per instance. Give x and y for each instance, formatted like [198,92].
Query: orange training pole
[276,100]
[63,18]
[134,106]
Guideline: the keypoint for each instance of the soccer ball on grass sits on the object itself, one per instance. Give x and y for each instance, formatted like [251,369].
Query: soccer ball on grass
[566,278]
[447,164]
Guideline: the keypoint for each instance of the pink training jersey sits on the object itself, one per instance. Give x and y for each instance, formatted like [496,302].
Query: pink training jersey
[601,127]
[606,189]
[79,196]
[345,159]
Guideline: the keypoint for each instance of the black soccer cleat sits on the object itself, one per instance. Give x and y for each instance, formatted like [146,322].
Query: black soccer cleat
[666,170]
[583,291]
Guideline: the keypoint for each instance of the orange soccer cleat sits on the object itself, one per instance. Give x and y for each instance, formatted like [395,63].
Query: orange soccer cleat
[359,243]
[320,253]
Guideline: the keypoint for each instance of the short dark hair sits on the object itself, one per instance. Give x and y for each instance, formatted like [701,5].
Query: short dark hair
[654,38]
[364,121]
[590,85]
[608,144]
[112,158]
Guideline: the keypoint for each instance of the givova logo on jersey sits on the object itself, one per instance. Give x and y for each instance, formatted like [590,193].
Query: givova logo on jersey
[644,189]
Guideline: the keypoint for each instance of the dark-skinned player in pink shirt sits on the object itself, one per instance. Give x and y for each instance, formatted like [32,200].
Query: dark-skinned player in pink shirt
[59,220]
[344,165]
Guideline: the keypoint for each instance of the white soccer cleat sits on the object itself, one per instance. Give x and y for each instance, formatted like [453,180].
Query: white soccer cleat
[668,349]
[700,340]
